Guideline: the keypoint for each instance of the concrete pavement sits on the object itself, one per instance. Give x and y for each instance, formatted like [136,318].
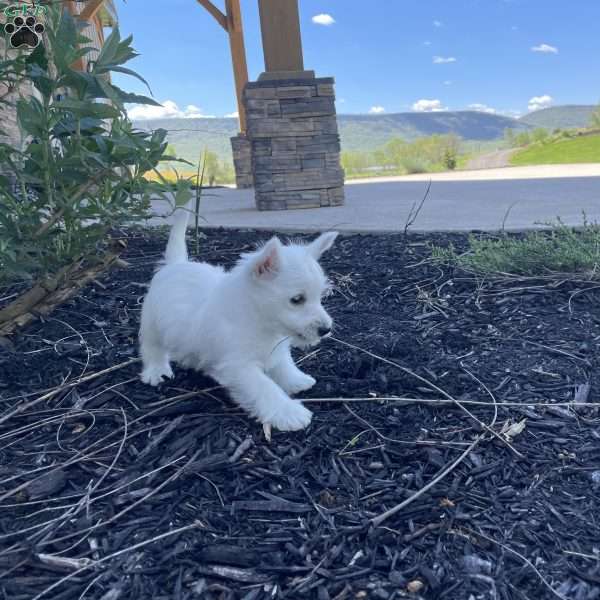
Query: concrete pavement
[457,201]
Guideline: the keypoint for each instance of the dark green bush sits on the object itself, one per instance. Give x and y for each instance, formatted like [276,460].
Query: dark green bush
[80,172]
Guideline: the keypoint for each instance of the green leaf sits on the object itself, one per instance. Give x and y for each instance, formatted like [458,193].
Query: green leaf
[96,110]
[128,98]
[30,116]
[38,58]
[126,71]
[183,192]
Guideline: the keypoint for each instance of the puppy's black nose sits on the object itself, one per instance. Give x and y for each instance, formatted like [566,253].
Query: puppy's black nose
[323,331]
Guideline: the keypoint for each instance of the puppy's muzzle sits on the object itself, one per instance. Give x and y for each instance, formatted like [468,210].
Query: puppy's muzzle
[322,331]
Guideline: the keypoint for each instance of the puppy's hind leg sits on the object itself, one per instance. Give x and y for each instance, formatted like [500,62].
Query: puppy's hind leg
[154,357]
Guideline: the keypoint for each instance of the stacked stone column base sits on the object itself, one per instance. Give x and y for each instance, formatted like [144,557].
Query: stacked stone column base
[242,162]
[295,146]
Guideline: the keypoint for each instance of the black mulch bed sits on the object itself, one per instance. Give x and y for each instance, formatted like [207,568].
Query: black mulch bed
[112,490]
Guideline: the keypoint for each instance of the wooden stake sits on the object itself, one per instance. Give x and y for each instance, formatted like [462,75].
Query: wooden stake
[238,55]
[231,22]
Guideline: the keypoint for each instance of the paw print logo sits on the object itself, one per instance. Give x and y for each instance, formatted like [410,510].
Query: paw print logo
[24,33]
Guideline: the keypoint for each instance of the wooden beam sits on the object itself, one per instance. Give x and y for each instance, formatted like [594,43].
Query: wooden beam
[238,55]
[215,12]
[79,64]
[280,28]
[91,7]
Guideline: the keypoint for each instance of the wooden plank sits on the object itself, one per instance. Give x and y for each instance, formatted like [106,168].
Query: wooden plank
[234,15]
[98,24]
[79,64]
[90,9]
[280,28]
[238,55]
[215,12]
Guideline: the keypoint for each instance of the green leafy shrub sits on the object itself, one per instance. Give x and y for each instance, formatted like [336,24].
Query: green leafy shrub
[422,155]
[522,139]
[539,135]
[450,159]
[80,172]
[413,165]
[595,119]
[562,249]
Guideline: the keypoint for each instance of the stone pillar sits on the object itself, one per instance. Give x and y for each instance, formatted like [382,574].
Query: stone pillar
[295,146]
[242,162]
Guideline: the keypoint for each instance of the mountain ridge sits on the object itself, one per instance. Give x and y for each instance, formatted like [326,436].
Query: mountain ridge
[366,133]
[566,116]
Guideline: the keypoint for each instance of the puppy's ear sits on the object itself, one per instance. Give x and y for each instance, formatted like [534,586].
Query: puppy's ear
[322,244]
[268,260]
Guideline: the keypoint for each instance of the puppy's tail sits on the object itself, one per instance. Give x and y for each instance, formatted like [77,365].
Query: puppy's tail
[176,247]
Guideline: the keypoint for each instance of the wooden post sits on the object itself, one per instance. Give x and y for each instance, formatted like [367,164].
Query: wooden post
[280,28]
[90,9]
[238,55]
[231,22]
[79,64]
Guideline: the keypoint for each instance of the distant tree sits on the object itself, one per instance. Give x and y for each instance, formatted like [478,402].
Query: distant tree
[227,174]
[595,121]
[355,162]
[510,137]
[380,158]
[523,138]
[395,151]
[212,168]
[539,135]
[450,159]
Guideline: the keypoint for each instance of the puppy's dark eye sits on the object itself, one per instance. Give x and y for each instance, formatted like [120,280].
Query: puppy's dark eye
[298,300]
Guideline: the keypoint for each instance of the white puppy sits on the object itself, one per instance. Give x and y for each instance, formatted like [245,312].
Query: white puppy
[238,326]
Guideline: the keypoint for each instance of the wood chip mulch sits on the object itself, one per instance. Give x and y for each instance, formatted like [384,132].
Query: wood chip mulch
[454,452]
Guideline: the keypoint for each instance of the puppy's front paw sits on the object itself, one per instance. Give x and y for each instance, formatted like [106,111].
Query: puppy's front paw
[154,375]
[291,417]
[299,382]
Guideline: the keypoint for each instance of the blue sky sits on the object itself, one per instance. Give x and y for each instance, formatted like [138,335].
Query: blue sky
[508,56]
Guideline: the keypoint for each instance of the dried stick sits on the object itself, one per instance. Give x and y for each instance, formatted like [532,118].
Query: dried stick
[515,553]
[444,402]
[65,386]
[415,209]
[118,515]
[376,521]
[119,553]
[431,385]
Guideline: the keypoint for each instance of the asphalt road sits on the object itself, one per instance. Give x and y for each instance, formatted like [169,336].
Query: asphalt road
[451,206]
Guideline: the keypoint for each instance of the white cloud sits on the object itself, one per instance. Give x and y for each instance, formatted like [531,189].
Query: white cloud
[426,43]
[482,108]
[545,49]
[425,105]
[323,19]
[437,23]
[447,82]
[168,110]
[539,102]
[194,112]
[376,110]
[442,60]
[233,115]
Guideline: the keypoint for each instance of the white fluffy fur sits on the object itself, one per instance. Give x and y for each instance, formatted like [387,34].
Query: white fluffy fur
[238,326]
